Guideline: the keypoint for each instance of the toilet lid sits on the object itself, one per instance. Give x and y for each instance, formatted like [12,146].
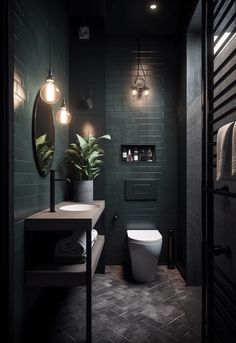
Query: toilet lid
[144,235]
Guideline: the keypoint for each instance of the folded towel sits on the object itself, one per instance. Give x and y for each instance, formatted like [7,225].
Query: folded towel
[233,174]
[74,245]
[69,259]
[224,152]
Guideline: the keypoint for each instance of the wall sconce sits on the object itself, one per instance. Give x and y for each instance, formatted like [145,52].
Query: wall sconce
[139,86]
[49,92]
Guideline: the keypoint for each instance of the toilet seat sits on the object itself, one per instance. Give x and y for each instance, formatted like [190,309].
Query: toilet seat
[144,236]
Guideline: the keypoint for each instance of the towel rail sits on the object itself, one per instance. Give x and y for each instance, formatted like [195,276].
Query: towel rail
[213,133]
[224,191]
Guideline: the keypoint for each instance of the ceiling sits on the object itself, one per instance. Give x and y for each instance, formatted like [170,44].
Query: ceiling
[133,16]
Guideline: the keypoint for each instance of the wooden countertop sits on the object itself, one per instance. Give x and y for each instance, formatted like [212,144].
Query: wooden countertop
[65,220]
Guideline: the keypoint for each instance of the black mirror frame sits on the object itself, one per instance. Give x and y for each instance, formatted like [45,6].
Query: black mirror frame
[34,136]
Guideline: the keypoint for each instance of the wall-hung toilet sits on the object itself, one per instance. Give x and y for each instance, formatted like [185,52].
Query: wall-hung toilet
[144,247]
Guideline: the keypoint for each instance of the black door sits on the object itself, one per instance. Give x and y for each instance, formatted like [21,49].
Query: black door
[219,196]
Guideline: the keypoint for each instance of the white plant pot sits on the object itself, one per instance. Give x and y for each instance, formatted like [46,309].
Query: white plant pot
[83,191]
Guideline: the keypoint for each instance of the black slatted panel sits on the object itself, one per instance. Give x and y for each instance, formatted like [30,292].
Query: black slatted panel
[222,324]
[220,76]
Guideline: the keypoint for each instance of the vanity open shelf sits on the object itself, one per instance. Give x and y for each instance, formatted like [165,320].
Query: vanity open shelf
[67,275]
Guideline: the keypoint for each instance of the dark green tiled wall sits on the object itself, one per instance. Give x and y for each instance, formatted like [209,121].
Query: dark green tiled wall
[31,191]
[87,72]
[110,67]
[149,120]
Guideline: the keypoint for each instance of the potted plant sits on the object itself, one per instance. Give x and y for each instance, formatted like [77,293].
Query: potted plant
[83,163]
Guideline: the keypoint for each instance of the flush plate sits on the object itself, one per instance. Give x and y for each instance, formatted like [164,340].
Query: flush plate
[141,189]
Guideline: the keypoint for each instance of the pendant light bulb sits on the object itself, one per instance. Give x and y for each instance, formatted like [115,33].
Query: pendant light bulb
[134,91]
[146,91]
[49,92]
[63,116]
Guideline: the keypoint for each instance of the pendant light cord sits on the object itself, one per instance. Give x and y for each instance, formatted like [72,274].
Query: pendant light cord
[139,62]
[138,55]
[64,78]
[50,34]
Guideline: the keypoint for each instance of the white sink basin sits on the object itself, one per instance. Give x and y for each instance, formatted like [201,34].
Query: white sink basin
[79,207]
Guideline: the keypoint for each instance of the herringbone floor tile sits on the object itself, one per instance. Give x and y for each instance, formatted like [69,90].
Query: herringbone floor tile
[163,311]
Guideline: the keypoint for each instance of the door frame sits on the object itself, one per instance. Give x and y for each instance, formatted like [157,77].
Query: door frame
[204,170]
[6,171]
[207,171]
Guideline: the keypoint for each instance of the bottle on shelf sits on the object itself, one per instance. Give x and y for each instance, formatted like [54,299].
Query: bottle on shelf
[143,155]
[124,154]
[149,155]
[129,156]
[136,157]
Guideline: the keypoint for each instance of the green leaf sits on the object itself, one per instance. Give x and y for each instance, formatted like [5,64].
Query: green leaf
[104,137]
[94,156]
[78,167]
[83,158]
[47,155]
[91,139]
[82,142]
[97,163]
[96,175]
[45,151]
[41,139]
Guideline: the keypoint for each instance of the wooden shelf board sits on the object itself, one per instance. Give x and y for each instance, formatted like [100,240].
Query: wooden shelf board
[69,275]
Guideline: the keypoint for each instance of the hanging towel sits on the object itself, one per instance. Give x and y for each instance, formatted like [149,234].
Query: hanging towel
[234,152]
[74,245]
[224,152]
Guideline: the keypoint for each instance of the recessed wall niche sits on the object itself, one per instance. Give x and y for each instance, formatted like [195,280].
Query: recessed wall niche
[137,153]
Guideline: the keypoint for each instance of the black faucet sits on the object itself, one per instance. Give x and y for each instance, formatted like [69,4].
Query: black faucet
[52,189]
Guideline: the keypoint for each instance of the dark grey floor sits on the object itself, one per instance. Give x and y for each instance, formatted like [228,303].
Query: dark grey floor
[123,311]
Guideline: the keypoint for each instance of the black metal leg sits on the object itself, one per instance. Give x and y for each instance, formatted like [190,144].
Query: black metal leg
[88,289]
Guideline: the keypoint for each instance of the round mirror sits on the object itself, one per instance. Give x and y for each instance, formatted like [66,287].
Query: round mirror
[43,135]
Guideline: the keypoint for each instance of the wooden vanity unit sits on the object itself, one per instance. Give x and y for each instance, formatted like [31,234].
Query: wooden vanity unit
[73,275]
